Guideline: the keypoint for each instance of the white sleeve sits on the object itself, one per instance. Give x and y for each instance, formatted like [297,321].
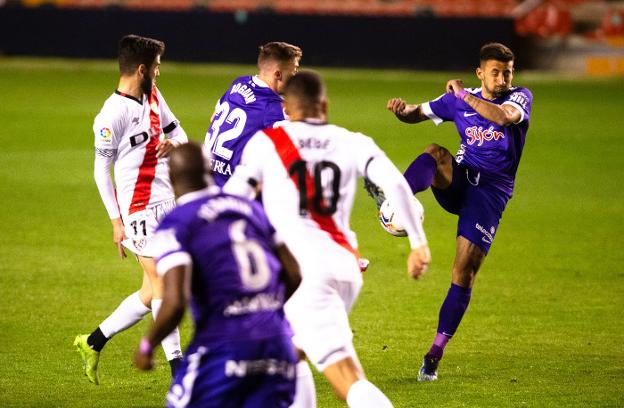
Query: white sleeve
[107,129]
[101,173]
[384,174]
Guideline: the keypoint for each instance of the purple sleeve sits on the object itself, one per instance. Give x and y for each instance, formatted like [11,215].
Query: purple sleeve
[521,99]
[444,107]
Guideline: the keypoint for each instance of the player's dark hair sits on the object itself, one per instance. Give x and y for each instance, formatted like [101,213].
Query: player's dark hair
[307,86]
[278,51]
[135,50]
[496,52]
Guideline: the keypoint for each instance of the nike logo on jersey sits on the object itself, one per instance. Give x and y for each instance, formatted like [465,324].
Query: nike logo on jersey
[467,114]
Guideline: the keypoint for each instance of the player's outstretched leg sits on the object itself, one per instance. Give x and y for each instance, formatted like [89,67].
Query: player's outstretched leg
[419,174]
[90,358]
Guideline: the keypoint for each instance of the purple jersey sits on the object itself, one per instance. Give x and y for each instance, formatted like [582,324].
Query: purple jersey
[236,292]
[486,147]
[249,105]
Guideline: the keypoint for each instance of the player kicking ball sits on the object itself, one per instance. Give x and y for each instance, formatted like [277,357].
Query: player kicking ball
[478,181]
[134,132]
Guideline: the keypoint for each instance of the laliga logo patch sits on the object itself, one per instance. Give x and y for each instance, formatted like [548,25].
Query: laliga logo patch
[106,134]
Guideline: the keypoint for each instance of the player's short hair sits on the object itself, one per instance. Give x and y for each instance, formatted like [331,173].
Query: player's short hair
[307,86]
[135,50]
[496,52]
[278,51]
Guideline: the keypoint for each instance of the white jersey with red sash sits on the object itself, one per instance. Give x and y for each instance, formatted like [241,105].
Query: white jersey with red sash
[310,169]
[308,172]
[127,131]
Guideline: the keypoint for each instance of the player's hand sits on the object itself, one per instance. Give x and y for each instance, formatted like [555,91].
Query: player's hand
[418,261]
[143,361]
[164,147]
[118,236]
[397,106]
[454,86]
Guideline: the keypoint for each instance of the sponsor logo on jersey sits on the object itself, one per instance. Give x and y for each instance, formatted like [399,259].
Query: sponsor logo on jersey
[106,134]
[489,236]
[476,134]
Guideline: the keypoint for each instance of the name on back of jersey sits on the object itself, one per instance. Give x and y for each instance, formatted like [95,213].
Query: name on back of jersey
[244,91]
[313,143]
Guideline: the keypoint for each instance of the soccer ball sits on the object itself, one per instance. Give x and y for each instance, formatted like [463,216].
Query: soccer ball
[391,222]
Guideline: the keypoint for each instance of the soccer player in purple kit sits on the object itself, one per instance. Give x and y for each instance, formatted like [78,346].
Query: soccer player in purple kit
[476,184]
[221,253]
[250,104]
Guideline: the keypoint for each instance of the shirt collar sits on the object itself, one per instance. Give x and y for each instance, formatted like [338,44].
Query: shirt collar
[259,82]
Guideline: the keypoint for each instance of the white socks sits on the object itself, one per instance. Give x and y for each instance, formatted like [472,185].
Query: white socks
[128,313]
[364,394]
[171,343]
[305,393]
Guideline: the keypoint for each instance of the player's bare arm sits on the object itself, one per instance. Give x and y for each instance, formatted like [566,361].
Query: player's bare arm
[407,113]
[291,275]
[169,316]
[118,236]
[503,115]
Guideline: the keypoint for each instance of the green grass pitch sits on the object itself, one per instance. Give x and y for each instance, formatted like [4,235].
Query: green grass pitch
[544,328]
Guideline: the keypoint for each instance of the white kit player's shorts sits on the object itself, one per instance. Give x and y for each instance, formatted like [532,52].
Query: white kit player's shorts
[140,226]
[318,311]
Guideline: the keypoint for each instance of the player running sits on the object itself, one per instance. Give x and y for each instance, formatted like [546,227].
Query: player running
[250,104]
[476,184]
[308,171]
[134,132]
[224,247]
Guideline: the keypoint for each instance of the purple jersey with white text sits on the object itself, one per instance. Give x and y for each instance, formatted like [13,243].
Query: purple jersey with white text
[236,292]
[249,105]
[486,147]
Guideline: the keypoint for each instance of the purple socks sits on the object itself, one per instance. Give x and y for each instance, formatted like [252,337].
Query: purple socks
[451,313]
[419,174]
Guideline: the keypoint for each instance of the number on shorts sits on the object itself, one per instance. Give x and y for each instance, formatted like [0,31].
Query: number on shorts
[320,204]
[250,257]
[143,225]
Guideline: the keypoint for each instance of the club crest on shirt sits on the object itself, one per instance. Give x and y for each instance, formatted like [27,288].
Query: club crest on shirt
[106,134]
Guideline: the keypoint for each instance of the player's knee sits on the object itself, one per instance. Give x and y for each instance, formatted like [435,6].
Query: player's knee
[439,153]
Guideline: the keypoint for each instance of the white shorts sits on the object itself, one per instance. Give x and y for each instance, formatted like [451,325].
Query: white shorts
[140,226]
[318,311]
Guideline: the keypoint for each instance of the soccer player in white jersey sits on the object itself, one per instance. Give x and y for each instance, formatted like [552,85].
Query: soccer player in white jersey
[307,170]
[134,132]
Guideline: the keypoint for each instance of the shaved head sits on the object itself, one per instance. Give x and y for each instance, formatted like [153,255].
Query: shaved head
[189,168]
[305,96]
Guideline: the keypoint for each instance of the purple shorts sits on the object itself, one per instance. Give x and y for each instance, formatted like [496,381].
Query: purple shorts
[244,374]
[477,201]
